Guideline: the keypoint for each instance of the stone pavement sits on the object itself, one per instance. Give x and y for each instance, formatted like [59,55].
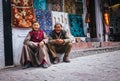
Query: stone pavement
[97,67]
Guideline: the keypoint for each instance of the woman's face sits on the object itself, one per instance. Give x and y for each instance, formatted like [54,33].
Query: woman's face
[58,28]
[36,26]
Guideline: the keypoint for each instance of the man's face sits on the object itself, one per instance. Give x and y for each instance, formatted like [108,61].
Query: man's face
[58,28]
[36,26]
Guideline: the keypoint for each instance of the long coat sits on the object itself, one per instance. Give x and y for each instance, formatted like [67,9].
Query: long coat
[33,53]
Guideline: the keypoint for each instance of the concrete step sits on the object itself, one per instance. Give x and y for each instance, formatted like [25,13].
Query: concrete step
[92,51]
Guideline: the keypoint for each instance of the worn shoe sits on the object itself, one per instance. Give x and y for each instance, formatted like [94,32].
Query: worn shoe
[27,66]
[56,60]
[66,59]
[45,65]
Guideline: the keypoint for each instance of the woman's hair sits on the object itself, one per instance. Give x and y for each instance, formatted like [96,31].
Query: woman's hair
[34,22]
[57,24]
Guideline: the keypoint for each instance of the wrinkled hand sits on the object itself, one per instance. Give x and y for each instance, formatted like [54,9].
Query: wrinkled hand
[59,41]
[36,44]
[41,44]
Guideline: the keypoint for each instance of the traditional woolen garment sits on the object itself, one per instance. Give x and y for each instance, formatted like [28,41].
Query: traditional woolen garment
[36,36]
[60,35]
[22,13]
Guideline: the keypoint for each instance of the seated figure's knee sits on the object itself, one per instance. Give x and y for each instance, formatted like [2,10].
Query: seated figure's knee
[48,45]
[41,46]
[70,44]
[25,45]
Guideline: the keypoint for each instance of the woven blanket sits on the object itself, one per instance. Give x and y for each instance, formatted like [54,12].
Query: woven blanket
[22,13]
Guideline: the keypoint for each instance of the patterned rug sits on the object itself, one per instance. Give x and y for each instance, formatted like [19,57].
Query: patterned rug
[76,25]
[45,20]
[22,13]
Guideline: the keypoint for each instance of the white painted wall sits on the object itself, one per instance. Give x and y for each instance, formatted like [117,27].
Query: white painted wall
[18,36]
[2,58]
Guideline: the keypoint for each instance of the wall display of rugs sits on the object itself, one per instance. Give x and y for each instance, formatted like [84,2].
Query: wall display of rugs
[22,13]
[40,4]
[69,6]
[79,7]
[66,24]
[21,3]
[55,5]
[76,25]
[73,6]
[44,19]
[62,18]
[57,17]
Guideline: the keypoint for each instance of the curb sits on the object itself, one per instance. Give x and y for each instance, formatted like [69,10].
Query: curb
[92,51]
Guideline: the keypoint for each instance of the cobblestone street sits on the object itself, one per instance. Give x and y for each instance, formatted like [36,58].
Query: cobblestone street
[98,67]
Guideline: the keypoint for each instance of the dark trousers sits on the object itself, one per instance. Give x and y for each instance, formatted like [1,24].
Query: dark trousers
[53,49]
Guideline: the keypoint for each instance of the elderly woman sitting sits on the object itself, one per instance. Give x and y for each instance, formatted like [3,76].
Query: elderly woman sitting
[34,52]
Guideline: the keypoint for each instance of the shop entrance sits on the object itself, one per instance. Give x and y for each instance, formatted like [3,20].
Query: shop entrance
[92,19]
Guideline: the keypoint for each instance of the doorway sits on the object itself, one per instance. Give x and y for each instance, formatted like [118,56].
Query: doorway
[7,33]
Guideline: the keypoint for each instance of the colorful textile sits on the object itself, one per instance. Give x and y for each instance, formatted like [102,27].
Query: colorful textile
[44,19]
[73,6]
[69,6]
[22,3]
[40,4]
[54,5]
[79,8]
[22,13]
[57,17]
[76,25]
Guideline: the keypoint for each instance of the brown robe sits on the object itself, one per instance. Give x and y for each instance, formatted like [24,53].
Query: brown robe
[33,53]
